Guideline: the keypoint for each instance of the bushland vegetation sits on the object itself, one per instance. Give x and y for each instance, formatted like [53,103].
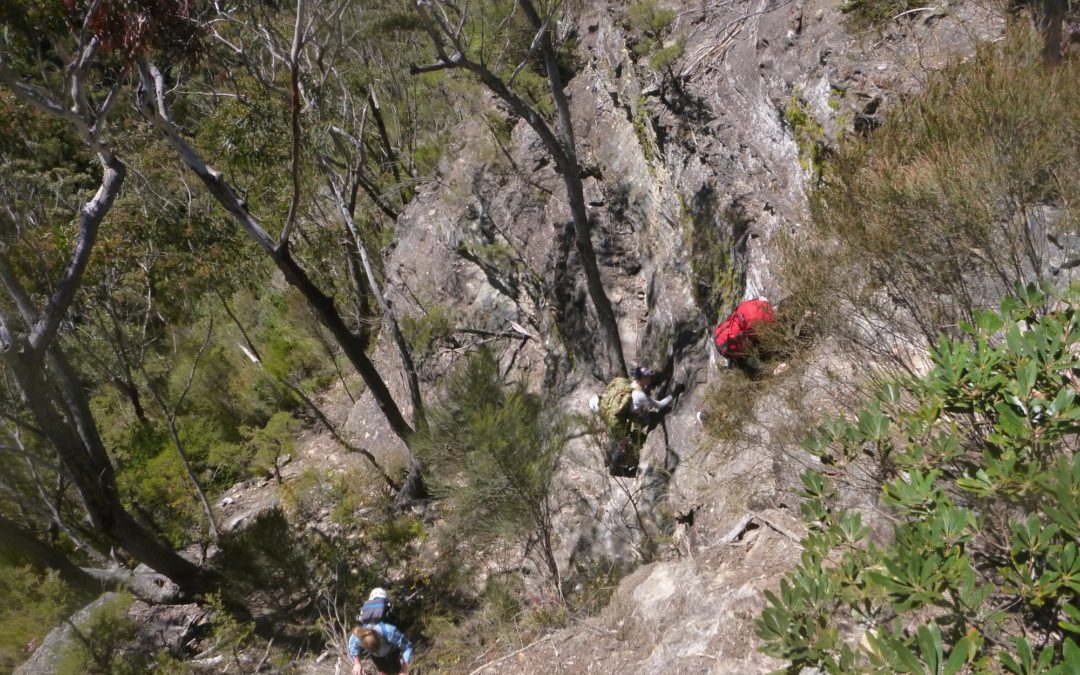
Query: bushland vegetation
[33,600]
[969,188]
[976,463]
[936,248]
[495,448]
[163,337]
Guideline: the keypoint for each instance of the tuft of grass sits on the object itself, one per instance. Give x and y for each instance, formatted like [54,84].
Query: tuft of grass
[967,189]
[729,405]
[864,14]
[809,136]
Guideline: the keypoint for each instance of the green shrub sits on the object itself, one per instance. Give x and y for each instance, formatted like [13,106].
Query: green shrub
[161,490]
[425,333]
[976,465]
[97,648]
[664,57]
[33,604]
[231,635]
[348,496]
[648,23]
[809,137]
[269,444]
[290,347]
[492,449]
[862,14]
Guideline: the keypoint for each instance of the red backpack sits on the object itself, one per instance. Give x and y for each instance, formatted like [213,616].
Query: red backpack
[735,334]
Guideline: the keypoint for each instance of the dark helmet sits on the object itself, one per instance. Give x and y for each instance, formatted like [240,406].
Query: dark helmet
[641,372]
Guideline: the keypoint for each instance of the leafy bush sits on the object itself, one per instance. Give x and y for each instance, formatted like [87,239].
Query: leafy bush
[648,23]
[290,346]
[154,477]
[492,450]
[347,496]
[664,57]
[872,13]
[976,464]
[968,188]
[161,491]
[33,604]
[425,333]
[98,646]
[231,635]
[270,443]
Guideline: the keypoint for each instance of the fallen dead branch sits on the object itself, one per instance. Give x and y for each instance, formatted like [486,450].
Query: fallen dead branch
[506,656]
[740,527]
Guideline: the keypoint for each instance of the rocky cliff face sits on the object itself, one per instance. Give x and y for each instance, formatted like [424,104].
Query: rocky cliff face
[694,175]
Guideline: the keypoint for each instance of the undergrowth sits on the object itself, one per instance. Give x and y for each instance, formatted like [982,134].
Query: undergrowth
[976,465]
[967,189]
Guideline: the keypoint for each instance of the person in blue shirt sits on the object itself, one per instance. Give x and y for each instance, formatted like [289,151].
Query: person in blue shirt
[387,646]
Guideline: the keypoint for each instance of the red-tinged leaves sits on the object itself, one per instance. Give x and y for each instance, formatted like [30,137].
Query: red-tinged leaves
[132,28]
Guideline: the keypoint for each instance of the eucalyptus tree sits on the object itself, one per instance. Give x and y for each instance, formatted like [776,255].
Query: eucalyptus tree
[72,68]
[477,38]
[309,63]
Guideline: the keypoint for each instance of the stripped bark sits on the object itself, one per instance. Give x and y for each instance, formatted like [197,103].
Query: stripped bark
[414,480]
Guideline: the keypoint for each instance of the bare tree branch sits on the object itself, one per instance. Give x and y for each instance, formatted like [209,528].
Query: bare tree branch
[252,353]
[562,149]
[152,101]
[294,112]
[20,540]
[388,316]
[451,62]
[170,417]
[361,180]
[152,104]
[90,217]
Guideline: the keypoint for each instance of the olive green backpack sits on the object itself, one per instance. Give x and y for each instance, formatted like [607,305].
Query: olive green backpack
[616,402]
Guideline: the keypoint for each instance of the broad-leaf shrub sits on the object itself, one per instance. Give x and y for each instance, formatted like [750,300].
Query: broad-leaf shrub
[977,468]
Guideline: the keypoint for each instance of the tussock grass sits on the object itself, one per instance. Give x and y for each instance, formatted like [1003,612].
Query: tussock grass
[968,188]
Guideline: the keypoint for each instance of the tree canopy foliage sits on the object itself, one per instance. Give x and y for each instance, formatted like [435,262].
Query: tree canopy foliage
[197,198]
